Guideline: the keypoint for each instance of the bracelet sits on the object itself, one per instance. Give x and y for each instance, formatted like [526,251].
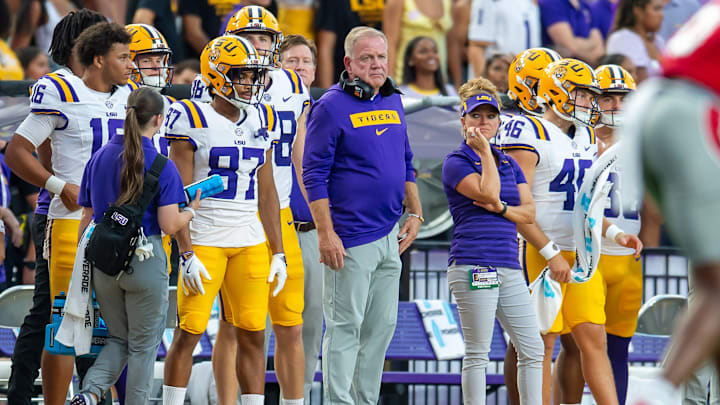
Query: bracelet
[54,184]
[612,232]
[550,250]
[422,220]
[191,211]
[504,210]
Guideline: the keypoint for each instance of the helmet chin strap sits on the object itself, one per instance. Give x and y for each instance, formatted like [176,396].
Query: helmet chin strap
[240,105]
[159,80]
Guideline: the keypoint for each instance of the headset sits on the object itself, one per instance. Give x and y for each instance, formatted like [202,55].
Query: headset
[362,90]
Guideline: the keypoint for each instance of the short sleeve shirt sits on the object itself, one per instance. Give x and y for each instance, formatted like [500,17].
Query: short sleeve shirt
[557,11]
[100,185]
[481,237]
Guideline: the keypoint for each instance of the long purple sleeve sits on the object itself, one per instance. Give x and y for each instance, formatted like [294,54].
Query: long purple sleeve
[357,155]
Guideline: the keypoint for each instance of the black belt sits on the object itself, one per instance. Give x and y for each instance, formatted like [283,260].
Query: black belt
[304,226]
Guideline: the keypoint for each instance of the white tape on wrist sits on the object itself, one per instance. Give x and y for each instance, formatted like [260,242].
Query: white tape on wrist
[54,185]
[612,232]
[2,227]
[191,211]
[550,250]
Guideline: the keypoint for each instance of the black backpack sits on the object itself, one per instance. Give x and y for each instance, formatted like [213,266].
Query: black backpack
[113,242]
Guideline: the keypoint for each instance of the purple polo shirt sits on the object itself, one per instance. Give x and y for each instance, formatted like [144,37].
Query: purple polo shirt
[100,185]
[555,11]
[481,237]
[357,155]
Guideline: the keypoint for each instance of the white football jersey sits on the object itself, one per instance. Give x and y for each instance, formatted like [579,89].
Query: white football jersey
[511,26]
[289,96]
[198,90]
[562,162]
[90,119]
[162,145]
[234,151]
[625,214]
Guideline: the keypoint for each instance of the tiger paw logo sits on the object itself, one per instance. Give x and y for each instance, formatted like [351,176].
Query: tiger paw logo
[214,54]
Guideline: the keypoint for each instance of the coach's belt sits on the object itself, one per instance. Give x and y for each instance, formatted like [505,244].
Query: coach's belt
[304,226]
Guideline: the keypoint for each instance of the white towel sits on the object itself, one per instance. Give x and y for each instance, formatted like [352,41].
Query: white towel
[587,229]
[76,328]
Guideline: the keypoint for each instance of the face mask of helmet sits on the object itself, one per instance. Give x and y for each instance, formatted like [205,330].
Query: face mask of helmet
[157,78]
[581,116]
[248,86]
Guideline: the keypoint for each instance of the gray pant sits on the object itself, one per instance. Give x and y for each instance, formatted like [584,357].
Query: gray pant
[511,303]
[695,388]
[134,309]
[360,306]
[312,314]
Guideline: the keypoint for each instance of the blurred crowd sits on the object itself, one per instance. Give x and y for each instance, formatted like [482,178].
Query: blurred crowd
[434,47]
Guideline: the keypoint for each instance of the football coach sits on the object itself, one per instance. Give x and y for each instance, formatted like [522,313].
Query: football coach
[358,172]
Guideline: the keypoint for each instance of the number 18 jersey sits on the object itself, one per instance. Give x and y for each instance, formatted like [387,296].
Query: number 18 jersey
[559,173]
[234,151]
[289,97]
[87,120]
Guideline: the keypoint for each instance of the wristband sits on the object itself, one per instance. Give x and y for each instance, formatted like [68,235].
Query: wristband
[550,250]
[422,220]
[191,211]
[54,185]
[187,255]
[504,209]
[2,227]
[612,232]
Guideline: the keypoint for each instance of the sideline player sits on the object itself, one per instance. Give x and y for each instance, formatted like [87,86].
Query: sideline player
[231,136]
[673,133]
[611,306]
[78,116]
[151,56]
[285,91]
[554,151]
[31,339]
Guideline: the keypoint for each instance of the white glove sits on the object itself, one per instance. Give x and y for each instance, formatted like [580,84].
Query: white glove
[278,267]
[192,273]
[144,249]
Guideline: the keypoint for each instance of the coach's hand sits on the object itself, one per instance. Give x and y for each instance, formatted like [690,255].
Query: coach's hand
[331,250]
[193,270]
[559,269]
[630,241]
[278,267]
[69,196]
[408,232]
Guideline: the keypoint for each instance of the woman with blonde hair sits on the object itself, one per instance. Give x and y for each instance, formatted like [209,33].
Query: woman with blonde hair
[488,195]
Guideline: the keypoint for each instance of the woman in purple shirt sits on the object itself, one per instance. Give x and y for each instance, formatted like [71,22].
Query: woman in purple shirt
[133,304]
[487,195]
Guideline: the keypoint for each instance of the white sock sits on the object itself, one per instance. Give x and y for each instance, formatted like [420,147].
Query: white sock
[299,401]
[173,395]
[252,399]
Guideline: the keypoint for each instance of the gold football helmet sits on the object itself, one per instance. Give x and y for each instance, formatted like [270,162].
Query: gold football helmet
[229,62]
[147,40]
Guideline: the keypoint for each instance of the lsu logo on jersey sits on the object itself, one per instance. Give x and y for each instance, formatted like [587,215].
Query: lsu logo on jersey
[378,117]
